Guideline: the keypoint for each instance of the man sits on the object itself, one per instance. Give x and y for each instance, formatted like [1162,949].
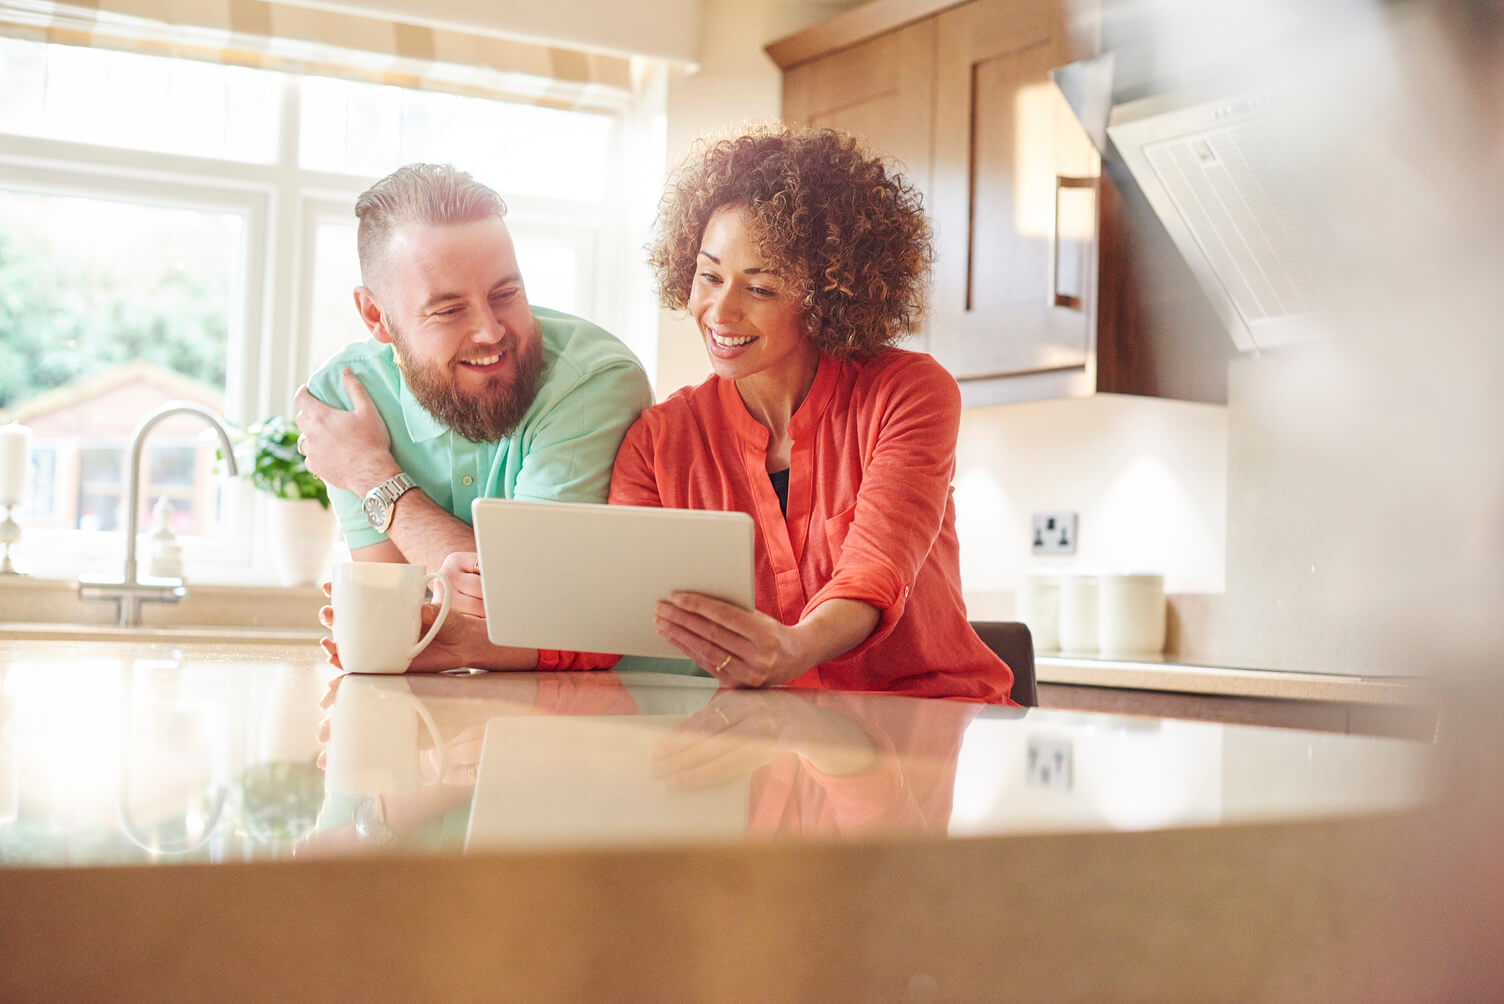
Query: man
[465,390]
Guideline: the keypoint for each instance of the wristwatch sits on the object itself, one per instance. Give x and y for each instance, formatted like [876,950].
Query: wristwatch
[370,821]
[380,501]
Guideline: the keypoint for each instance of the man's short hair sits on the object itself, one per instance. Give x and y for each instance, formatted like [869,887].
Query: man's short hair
[431,194]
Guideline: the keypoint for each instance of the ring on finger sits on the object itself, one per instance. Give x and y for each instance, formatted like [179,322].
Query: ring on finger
[302,440]
[724,720]
[724,663]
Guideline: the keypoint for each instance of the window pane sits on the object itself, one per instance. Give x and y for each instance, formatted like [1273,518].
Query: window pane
[172,465]
[98,510]
[122,99]
[99,488]
[336,272]
[43,484]
[368,129]
[100,464]
[90,287]
[109,310]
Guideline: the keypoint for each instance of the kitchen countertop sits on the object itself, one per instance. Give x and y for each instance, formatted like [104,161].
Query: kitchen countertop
[1170,674]
[214,765]
[215,722]
[1165,673]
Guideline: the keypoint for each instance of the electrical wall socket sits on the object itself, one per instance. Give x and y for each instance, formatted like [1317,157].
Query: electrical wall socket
[1048,764]
[1054,533]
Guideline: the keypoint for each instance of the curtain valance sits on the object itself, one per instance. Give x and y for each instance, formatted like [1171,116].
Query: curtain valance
[282,37]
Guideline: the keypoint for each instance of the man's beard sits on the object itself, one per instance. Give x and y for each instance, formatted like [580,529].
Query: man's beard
[496,410]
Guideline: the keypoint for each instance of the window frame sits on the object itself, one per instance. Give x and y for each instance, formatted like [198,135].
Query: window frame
[270,313]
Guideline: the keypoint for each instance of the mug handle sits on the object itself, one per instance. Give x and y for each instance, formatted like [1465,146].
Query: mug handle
[433,731]
[438,622]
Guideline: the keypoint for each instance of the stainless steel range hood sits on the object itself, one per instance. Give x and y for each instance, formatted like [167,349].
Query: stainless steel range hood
[1210,170]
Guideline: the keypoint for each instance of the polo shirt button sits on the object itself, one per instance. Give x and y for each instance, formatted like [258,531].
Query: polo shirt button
[466,480]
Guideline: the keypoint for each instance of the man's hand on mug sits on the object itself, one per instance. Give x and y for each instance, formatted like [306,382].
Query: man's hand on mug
[452,648]
[462,569]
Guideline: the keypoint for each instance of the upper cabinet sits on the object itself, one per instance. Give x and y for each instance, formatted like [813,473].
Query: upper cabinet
[1022,205]
[1015,199]
[882,90]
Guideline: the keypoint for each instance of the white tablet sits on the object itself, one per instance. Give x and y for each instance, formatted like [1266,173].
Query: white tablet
[585,578]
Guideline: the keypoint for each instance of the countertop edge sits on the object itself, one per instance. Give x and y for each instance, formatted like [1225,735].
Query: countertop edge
[1224,682]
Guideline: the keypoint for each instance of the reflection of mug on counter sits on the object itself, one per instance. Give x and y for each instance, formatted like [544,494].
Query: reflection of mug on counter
[373,738]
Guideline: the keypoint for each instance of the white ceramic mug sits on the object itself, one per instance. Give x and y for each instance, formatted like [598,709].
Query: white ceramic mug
[1078,614]
[373,738]
[378,614]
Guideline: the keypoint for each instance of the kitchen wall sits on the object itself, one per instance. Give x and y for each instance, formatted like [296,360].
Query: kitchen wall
[1146,477]
[1329,480]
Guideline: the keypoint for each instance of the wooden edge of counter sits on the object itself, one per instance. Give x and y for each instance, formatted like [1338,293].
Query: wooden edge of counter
[1316,910]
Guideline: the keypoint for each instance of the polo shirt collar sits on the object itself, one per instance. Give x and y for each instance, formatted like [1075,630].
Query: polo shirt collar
[804,419]
[422,426]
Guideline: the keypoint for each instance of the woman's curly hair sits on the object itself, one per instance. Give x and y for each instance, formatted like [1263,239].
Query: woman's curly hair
[849,234]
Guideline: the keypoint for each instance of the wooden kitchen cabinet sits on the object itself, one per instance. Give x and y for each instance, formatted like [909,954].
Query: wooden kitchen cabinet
[1012,289]
[882,90]
[960,94]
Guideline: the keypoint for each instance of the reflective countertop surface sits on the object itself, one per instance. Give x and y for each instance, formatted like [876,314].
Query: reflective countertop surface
[153,753]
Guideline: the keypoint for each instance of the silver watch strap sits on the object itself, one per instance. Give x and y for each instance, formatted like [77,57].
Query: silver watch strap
[392,488]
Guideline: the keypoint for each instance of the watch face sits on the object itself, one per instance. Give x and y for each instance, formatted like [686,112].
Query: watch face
[375,511]
[370,821]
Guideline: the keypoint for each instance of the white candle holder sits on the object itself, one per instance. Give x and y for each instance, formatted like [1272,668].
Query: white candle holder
[10,533]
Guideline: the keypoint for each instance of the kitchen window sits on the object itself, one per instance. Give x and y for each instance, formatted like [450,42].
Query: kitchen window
[173,229]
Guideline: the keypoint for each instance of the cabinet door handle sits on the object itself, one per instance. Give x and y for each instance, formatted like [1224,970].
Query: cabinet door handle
[1072,301]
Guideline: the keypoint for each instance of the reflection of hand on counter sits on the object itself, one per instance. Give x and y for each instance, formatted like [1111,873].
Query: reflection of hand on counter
[382,768]
[736,733]
[823,763]
[400,813]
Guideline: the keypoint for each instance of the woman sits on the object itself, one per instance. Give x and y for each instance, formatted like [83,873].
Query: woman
[802,261]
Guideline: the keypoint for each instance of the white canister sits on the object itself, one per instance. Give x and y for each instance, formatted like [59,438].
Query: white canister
[1131,614]
[1078,614]
[1038,606]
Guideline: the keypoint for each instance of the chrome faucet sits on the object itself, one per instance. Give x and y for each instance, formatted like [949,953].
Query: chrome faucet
[130,591]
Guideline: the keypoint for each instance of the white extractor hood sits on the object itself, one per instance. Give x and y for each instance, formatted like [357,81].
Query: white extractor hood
[1213,173]
[1217,162]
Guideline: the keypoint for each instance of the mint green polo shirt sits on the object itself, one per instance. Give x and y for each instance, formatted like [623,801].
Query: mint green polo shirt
[592,389]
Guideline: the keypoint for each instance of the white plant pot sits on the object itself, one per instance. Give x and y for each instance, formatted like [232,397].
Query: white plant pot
[302,536]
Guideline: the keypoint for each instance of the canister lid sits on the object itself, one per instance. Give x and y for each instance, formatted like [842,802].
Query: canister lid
[1134,576]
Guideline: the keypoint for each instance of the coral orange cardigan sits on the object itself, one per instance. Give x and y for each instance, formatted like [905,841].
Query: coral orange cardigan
[870,513]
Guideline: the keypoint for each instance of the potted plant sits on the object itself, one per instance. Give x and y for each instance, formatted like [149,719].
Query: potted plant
[302,525]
